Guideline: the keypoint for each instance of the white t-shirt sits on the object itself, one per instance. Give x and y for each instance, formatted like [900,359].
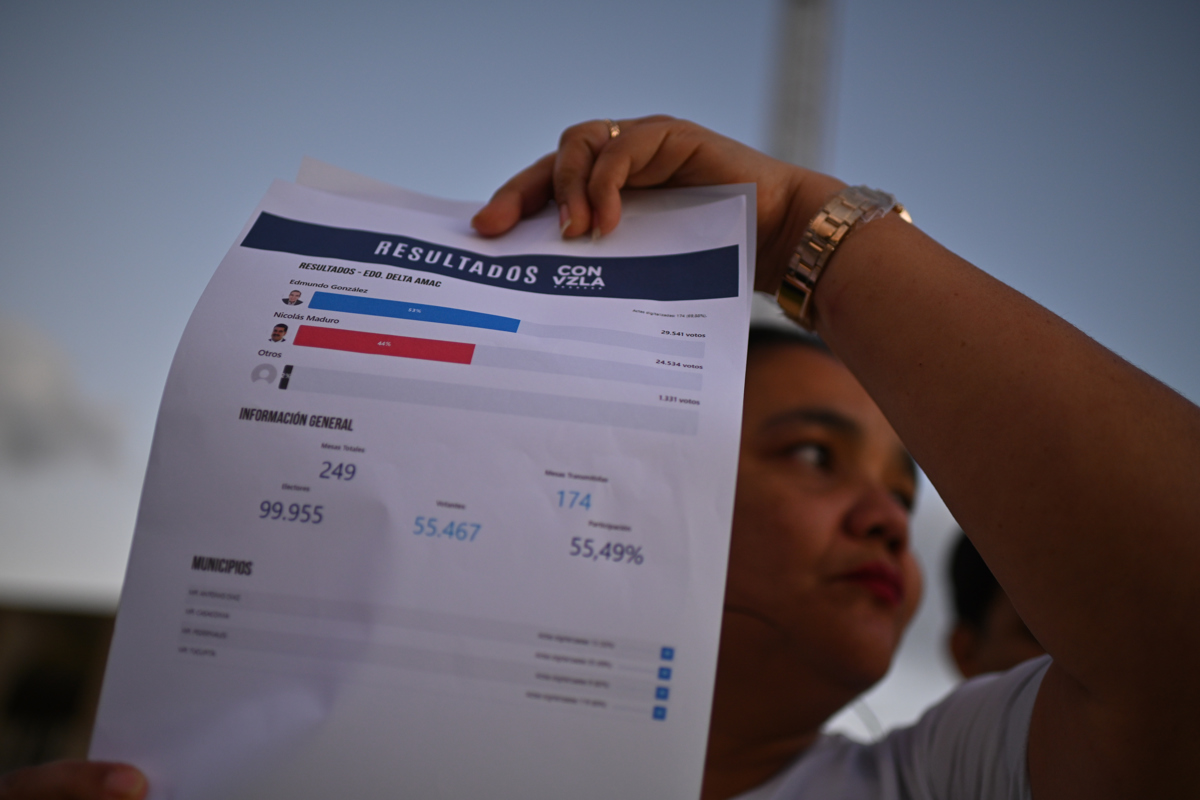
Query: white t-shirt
[970,745]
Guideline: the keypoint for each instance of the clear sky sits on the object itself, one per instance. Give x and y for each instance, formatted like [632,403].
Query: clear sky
[1053,144]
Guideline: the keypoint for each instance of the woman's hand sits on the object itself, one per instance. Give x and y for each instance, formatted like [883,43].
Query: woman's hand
[74,780]
[585,176]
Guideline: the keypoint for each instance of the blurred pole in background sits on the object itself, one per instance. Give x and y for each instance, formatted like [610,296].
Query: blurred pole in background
[804,90]
[801,106]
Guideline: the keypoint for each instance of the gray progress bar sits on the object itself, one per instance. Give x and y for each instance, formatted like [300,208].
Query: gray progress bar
[496,401]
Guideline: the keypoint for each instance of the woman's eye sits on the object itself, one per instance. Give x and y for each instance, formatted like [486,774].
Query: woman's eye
[815,455]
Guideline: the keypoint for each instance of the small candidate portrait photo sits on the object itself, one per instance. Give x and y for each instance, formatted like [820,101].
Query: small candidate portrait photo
[293,298]
[278,333]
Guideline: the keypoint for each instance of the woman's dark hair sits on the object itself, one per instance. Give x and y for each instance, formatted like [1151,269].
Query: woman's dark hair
[763,335]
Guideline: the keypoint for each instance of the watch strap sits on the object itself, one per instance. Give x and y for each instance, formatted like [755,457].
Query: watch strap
[845,211]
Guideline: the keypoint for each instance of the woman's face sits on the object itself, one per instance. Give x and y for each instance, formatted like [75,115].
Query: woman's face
[821,579]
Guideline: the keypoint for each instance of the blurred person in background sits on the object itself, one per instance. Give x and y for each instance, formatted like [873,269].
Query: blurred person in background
[988,634]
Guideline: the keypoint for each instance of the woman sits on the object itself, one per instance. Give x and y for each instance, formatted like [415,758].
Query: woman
[821,581]
[1074,472]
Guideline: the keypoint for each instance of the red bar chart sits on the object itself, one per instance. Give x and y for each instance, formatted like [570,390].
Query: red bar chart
[483,355]
[384,344]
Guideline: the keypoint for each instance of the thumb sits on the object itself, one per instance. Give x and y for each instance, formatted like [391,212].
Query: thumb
[74,780]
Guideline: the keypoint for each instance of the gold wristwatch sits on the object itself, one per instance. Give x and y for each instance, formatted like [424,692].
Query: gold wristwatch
[849,208]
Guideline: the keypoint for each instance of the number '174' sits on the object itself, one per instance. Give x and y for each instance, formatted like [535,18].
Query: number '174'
[574,500]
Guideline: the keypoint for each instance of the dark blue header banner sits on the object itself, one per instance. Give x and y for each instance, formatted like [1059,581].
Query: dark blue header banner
[703,275]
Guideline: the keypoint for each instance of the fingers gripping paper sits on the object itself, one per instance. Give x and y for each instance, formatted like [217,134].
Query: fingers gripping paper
[429,515]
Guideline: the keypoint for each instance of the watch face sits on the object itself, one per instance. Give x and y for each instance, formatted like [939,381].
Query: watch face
[795,302]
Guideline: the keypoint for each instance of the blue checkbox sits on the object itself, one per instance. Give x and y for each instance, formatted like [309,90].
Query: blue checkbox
[664,673]
[662,693]
[668,654]
[660,712]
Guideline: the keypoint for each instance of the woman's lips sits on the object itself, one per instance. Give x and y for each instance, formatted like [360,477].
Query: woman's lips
[881,579]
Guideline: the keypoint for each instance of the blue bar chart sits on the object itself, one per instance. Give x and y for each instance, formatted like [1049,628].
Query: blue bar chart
[396,309]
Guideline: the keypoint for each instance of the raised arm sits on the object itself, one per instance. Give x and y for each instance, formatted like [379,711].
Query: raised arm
[1076,475]
[1078,478]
